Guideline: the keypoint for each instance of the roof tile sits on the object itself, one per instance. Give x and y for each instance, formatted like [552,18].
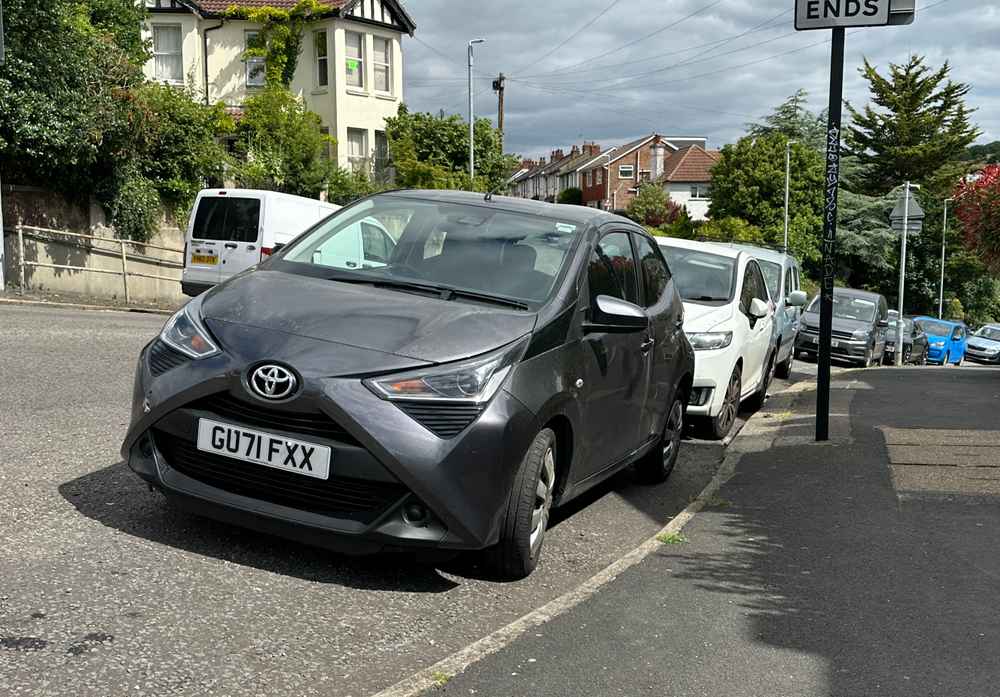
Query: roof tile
[690,164]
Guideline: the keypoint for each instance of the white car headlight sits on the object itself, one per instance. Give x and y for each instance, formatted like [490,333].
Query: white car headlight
[710,341]
[862,335]
[475,380]
[185,333]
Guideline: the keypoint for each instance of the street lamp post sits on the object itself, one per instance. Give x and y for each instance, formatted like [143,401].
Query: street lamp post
[788,173]
[904,219]
[472,112]
[944,232]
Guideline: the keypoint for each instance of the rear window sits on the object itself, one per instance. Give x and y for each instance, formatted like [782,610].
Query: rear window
[228,219]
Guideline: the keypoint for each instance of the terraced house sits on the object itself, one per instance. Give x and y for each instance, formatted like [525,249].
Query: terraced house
[350,69]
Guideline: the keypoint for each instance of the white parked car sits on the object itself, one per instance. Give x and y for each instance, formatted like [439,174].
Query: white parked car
[729,320]
[231,230]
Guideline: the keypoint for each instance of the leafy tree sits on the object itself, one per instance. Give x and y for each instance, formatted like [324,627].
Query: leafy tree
[794,121]
[345,186]
[749,183]
[917,121]
[281,146]
[988,154]
[977,206]
[682,226]
[572,196]
[731,229]
[652,206]
[279,41]
[432,151]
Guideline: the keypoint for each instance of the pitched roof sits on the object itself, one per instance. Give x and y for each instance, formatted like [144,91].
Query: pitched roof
[217,7]
[690,164]
[616,153]
[574,161]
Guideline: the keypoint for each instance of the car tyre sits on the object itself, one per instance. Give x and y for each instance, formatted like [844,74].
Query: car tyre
[869,358]
[720,425]
[522,530]
[923,357]
[783,370]
[656,465]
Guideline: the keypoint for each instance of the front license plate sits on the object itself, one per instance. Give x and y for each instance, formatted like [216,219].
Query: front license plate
[262,448]
[207,259]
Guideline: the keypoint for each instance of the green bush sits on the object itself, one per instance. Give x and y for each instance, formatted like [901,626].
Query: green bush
[135,208]
[572,196]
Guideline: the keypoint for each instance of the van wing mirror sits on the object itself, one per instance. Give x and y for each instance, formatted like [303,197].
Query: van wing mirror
[758,308]
[797,298]
[615,315]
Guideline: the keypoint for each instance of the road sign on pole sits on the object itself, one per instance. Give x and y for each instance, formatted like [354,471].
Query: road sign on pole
[836,15]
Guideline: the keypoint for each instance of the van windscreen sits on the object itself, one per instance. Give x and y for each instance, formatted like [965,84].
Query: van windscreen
[229,219]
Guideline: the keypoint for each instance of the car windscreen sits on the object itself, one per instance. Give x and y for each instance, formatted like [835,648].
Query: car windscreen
[772,275]
[992,333]
[937,328]
[894,324]
[476,249]
[848,307]
[231,219]
[701,277]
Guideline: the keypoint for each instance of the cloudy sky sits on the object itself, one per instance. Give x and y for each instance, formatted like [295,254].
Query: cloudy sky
[677,67]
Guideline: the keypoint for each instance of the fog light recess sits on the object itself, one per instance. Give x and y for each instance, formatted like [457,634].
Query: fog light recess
[416,514]
[146,446]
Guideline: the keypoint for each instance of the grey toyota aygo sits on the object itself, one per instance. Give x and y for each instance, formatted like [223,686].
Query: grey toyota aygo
[423,370]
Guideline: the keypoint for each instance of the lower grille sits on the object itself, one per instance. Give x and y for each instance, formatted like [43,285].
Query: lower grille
[162,358]
[307,423]
[444,420]
[344,498]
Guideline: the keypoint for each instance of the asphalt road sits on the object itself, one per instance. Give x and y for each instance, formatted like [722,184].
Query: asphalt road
[107,591]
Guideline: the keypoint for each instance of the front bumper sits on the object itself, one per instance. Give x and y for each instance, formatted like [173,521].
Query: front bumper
[384,462]
[937,354]
[984,357]
[848,349]
[712,371]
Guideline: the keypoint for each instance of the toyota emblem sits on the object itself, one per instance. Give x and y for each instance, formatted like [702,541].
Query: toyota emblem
[273,382]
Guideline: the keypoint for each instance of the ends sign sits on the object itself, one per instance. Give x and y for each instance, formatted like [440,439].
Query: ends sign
[827,14]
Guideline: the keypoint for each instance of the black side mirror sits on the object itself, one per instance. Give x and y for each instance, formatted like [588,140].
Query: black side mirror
[278,246]
[614,315]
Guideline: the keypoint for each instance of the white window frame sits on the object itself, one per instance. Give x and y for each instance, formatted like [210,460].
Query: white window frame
[357,161]
[321,63]
[376,64]
[600,176]
[361,61]
[180,52]
[631,171]
[587,179]
[251,64]
[701,192]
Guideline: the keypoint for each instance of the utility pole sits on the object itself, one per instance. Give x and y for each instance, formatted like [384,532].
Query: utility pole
[498,87]
[944,233]
[3,283]
[472,112]
[788,174]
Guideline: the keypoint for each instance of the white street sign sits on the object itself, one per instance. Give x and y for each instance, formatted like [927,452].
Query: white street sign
[826,14]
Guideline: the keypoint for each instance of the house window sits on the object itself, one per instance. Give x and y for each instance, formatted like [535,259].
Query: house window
[325,132]
[355,59]
[381,153]
[168,58]
[587,179]
[357,148]
[626,171]
[322,59]
[382,61]
[256,66]
[600,176]
[701,191]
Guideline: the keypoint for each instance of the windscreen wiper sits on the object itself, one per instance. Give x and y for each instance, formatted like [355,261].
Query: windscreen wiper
[441,291]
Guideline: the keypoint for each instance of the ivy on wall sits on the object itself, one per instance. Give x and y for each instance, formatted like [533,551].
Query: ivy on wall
[280,39]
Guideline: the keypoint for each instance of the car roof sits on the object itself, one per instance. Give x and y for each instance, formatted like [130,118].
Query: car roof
[710,247]
[854,292]
[569,213]
[762,253]
[928,318]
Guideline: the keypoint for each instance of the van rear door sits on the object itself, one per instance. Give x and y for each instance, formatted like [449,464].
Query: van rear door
[225,236]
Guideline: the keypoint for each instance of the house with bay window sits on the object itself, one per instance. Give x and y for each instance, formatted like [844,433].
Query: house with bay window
[350,68]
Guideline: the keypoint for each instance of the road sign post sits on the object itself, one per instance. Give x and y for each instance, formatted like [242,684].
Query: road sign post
[3,282]
[836,15]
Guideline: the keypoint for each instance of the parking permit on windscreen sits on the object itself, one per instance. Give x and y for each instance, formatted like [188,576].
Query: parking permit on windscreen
[565,228]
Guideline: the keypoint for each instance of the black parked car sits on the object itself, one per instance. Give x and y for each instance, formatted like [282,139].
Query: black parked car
[914,343]
[508,356]
[860,319]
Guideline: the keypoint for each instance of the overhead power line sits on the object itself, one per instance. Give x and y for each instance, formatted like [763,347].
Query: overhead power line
[574,34]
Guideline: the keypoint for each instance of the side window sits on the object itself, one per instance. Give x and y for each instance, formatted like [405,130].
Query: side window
[747,290]
[612,269]
[375,244]
[759,284]
[655,273]
[789,281]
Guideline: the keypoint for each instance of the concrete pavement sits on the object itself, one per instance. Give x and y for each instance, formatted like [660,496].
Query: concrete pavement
[821,570]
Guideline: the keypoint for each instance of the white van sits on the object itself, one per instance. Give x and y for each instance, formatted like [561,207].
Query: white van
[233,229]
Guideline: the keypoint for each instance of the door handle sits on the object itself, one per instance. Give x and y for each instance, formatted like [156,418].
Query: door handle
[679,322]
[251,248]
[230,245]
[648,344]
[350,265]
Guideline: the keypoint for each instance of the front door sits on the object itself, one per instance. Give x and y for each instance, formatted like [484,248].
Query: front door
[666,319]
[614,364]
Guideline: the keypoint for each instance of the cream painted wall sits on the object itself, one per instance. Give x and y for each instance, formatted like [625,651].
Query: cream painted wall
[681,195]
[339,106]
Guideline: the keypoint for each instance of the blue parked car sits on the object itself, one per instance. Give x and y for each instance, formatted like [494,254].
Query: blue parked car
[946,341]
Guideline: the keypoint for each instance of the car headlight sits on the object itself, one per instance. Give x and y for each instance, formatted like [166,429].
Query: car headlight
[475,380]
[861,335]
[185,333]
[710,341]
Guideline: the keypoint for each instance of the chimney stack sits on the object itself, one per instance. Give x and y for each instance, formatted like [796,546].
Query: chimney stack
[592,149]
[557,155]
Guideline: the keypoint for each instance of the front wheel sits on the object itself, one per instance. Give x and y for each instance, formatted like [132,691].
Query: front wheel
[656,466]
[523,528]
[923,357]
[783,370]
[720,425]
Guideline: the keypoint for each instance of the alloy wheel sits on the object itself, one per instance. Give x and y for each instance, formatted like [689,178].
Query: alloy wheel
[732,404]
[544,490]
[672,434]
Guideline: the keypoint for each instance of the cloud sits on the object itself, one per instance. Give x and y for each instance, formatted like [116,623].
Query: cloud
[723,63]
